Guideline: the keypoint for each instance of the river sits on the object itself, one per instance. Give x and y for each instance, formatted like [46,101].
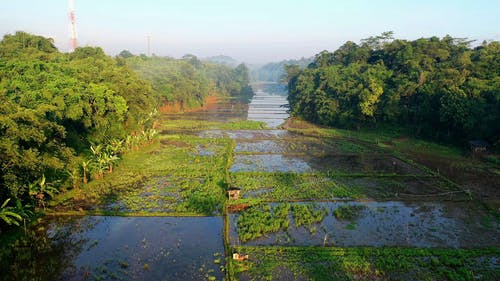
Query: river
[192,248]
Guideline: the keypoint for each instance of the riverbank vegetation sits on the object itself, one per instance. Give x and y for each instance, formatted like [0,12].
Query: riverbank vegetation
[176,175]
[67,119]
[437,88]
[188,82]
[56,109]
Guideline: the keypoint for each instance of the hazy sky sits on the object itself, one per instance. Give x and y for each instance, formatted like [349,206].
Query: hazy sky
[253,31]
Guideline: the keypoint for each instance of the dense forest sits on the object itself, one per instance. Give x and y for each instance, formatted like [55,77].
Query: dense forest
[189,80]
[221,59]
[65,118]
[275,71]
[438,88]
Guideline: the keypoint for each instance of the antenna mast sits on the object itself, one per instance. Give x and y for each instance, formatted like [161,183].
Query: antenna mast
[73,44]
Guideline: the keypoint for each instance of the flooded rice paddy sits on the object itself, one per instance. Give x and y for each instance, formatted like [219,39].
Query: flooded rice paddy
[387,224]
[156,195]
[357,196]
[367,164]
[120,248]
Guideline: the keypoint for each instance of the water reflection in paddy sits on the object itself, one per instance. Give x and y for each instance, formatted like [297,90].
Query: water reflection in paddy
[139,248]
[419,224]
[269,108]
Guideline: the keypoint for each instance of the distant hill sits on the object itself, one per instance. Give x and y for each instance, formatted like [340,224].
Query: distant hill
[275,71]
[221,59]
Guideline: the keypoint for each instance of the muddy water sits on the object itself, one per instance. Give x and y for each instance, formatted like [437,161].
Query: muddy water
[269,104]
[224,110]
[136,248]
[282,151]
[247,134]
[456,225]
[269,163]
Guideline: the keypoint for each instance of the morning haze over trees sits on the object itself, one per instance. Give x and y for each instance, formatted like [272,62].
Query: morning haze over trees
[377,160]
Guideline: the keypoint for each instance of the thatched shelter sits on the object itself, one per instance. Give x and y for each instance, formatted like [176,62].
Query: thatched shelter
[234,193]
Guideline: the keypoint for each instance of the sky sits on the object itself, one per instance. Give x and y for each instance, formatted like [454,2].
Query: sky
[252,31]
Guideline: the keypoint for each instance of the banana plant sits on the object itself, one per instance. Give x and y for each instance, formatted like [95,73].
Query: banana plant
[150,134]
[151,116]
[9,214]
[85,167]
[99,163]
[24,211]
[129,142]
[40,190]
[138,140]
[108,159]
[96,151]
[115,147]
[74,175]
[99,166]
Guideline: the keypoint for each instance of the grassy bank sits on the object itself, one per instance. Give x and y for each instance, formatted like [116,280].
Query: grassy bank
[331,263]
[178,174]
[475,173]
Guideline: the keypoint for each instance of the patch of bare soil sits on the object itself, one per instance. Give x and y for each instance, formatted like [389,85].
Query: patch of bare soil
[294,123]
[235,208]
[77,204]
[174,143]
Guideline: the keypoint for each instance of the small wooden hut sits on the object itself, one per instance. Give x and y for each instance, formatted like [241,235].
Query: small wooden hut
[239,257]
[234,193]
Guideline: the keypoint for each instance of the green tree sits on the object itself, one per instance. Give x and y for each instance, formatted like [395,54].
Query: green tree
[438,87]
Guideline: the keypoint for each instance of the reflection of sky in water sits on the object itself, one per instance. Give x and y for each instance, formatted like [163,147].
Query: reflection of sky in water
[269,163]
[268,108]
[246,134]
[138,248]
[301,145]
[258,134]
[390,224]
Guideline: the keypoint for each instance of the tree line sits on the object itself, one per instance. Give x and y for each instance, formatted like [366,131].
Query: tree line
[66,118]
[189,80]
[275,71]
[438,88]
